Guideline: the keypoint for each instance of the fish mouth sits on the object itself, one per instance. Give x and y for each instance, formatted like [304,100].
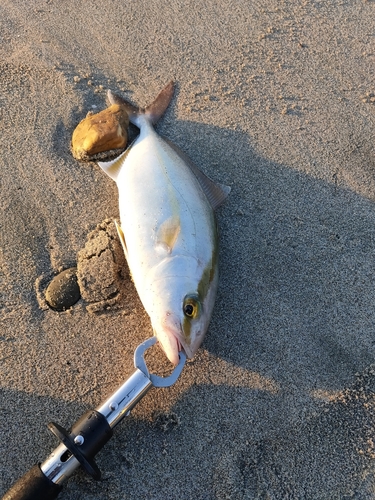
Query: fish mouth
[170,344]
[170,336]
[188,351]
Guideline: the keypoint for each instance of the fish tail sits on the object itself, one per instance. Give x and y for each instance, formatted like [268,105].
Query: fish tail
[153,112]
[131,110]
[157,108]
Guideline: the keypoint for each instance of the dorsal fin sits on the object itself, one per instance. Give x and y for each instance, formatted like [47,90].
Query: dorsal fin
[153,112]
[216,193]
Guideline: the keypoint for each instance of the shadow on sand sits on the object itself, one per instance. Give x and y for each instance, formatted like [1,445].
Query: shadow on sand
[296,306]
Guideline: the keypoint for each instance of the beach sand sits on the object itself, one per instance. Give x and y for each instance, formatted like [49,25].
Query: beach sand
[275,99]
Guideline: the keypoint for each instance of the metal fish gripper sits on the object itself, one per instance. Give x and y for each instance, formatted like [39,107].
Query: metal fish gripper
[90,433]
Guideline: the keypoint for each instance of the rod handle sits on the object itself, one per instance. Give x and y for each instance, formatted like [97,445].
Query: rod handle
[33,485]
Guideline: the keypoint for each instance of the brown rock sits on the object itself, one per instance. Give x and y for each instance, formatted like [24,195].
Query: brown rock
[97,133]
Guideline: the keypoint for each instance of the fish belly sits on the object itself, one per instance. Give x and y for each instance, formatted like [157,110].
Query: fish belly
[164,212]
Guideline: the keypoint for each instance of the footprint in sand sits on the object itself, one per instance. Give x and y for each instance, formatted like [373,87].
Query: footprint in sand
[101,277]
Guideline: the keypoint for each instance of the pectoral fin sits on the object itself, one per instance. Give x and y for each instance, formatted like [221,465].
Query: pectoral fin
[167,233]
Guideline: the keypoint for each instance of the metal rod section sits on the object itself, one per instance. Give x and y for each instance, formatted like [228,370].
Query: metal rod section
[125,398]
[60,465]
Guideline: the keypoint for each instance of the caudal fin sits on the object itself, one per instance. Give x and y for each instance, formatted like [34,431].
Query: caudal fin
[157,108]
[153,111]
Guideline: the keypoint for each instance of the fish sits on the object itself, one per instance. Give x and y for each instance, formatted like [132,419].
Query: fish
[168,229]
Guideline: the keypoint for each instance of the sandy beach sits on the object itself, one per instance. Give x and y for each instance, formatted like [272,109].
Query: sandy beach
[275,99]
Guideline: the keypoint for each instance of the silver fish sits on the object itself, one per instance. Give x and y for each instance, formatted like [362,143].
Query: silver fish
[168,230]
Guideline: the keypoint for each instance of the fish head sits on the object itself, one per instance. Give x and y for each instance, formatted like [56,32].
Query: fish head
[180,313]
[180,324]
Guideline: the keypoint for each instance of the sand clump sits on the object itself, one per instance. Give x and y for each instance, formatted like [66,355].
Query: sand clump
[102,269]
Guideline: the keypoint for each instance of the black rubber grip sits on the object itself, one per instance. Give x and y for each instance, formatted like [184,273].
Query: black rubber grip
[95,431]
[33,485]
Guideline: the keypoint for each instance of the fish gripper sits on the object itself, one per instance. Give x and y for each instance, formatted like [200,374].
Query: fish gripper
[89,434]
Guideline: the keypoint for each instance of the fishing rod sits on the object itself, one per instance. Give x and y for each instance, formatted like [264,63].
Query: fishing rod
[90,433]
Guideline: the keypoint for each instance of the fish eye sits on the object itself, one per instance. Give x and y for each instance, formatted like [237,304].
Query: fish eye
[189,310]
[191,306]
